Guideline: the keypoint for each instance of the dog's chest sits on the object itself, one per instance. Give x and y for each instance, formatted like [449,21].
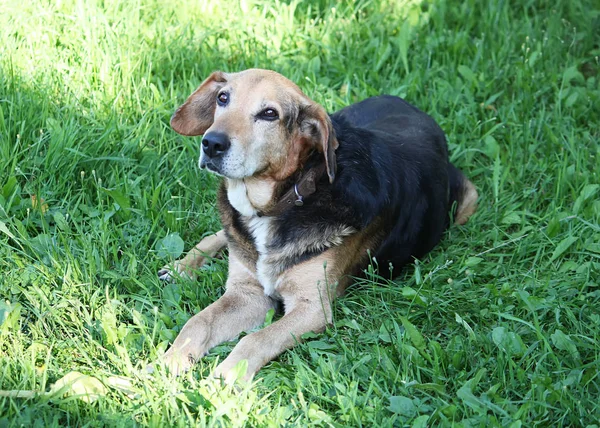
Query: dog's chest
[260,229]
[275,256]
[266,272]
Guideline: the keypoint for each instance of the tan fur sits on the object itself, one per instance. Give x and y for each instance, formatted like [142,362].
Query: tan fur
[260,191]
[468,204]
[306,291]
[242,307]
[296,153]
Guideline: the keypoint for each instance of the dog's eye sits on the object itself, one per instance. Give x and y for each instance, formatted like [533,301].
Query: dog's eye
[268,114]
[223,98]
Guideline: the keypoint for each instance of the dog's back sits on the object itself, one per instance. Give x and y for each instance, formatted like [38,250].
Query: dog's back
[407,148]
[383,113]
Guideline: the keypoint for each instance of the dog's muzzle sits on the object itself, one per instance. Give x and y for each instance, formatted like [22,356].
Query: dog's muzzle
[214,147]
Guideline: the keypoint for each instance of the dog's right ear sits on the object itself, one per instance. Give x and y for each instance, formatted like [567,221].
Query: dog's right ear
[196,115]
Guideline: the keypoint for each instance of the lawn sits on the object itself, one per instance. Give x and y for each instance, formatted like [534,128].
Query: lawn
[498,326]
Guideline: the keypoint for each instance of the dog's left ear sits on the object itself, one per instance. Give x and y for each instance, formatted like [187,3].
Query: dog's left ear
[316,126]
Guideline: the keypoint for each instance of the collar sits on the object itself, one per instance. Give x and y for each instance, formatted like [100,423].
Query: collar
[305,186]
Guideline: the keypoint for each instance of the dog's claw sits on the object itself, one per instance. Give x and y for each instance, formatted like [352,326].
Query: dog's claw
[232,375]
[177,364]
[170,272]
[165,274]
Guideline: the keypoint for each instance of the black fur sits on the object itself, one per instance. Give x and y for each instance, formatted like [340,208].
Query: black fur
[393,168]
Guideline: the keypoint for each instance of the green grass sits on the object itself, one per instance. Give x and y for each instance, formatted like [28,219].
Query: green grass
[499,326]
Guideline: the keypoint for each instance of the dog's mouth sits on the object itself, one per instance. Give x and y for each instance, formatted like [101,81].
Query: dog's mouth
[223,168]
[210,165]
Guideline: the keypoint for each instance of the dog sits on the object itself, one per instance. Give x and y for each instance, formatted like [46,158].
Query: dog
[307,200]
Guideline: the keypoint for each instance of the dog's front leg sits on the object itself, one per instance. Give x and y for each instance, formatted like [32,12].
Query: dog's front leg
[307,291]
[242,307]
[195,258]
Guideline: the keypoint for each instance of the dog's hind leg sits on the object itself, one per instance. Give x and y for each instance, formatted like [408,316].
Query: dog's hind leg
[464,193]
[467,205]
[195,258]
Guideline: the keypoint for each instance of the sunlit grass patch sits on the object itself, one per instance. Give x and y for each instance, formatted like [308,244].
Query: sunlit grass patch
[499,325]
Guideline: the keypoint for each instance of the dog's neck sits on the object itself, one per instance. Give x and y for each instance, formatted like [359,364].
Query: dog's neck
[265,197]
[250,195]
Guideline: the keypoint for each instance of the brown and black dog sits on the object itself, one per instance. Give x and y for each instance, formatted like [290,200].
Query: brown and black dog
[305,196]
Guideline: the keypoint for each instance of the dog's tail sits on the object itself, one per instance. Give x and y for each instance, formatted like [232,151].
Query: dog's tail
[463,195]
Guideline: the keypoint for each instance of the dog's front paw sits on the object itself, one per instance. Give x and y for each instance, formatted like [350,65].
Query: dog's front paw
[177,363]
[231,372]
[174,270]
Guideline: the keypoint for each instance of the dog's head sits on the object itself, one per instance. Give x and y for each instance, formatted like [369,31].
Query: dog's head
[255,123]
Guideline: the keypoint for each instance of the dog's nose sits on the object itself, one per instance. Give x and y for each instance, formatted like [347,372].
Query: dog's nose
[214,144]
